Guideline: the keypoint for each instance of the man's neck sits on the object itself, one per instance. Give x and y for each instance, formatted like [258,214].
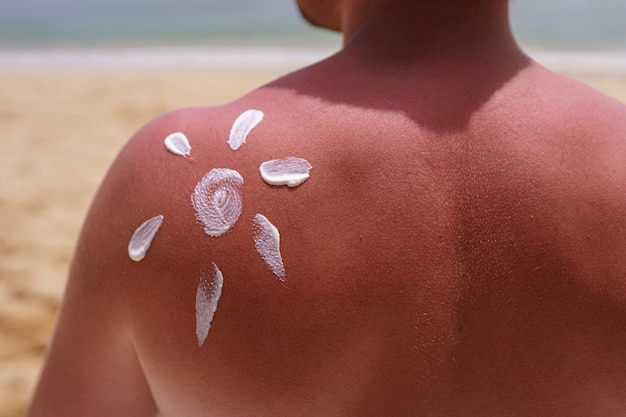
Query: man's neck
[418,29]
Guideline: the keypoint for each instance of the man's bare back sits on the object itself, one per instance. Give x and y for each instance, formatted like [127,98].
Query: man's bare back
[456,251]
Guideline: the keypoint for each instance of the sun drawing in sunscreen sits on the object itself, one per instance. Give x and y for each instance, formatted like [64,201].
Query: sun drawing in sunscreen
[267,244]
[207,296]
[290,171]
[217,201]
[242,127]
[178,144]
[142,238]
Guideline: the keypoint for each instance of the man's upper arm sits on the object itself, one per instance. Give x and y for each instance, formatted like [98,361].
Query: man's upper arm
[91,365]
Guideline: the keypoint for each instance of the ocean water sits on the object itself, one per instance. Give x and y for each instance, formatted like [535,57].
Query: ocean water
[230,31]
[570,25]
[134,23]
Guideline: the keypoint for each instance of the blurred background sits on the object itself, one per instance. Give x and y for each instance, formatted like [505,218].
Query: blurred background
[214,33]
[77,78]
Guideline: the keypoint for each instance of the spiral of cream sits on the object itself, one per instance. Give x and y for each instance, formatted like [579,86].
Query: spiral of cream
[217,201]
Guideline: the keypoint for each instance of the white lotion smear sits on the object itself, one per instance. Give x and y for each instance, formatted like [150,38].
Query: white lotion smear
[207,297]
[142,238]
[217,201]
[290,171]
[242,127]
[178,144]
[267,244]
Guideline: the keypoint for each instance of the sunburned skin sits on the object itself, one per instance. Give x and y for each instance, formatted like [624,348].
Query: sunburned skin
[207,296]
[142,238]
[290,171]
[217,201]
[267,244]
[178,144]
[242,127]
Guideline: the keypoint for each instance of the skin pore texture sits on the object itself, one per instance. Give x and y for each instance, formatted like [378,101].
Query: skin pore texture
[458,252]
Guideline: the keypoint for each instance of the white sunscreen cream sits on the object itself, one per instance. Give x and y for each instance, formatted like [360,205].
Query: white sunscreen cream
[207,296]
[142,238]
[178,144]
[267,244]
[217,201]
[242,127]
[290,171]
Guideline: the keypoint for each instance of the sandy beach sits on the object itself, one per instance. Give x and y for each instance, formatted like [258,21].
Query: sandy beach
[60,132]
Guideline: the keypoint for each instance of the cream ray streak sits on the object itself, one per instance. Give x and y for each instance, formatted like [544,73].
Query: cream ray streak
[178,144]
[290,171]
[267,244]
[207,296]
[142,238]
[242,127]
[217,201]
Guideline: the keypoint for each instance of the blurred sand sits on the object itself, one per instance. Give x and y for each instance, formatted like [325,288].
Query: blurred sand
[60,132]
